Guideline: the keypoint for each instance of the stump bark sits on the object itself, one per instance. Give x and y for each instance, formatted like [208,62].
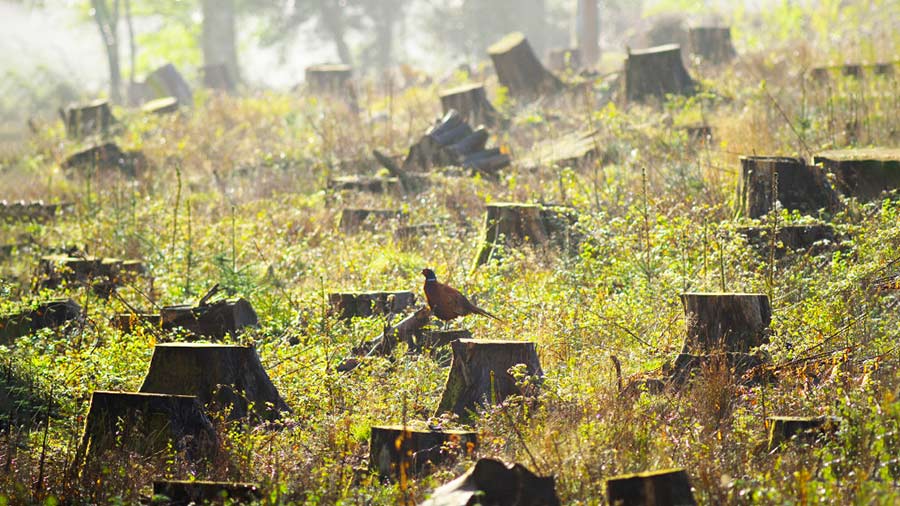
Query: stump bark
[656,72]
[48,314]
[94,118]
[725,322]
[814,239]
[225,377]
[668,487]
[106,157]
[799,186]
[478,373]
[394,449]
[213,320]
[471,102]
[186,493]
[355,220]
[863,173]
[494,483]
[512,224]
[520,70]
[146,424]
[366,304]
[804,429]
[712,44]
[563,59]
[166,81]
[218,77]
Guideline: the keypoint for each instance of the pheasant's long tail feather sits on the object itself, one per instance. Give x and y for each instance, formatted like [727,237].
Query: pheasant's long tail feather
[482,312]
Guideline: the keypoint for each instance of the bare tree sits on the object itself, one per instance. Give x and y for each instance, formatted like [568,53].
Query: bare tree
[219,40]
[107,18]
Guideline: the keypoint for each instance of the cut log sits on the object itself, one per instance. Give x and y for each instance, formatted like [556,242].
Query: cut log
[804,429]
[800,187]
[863,173]
[106,157]
[450,141]
[94,118]
[656,72]
[473,143]
[213,320]
[667,487]
[165,105]
[494,483]
[520,70]
[217,77]
[186,493]
[564,59]
[367,184]
[355,220]
[146,424]
[48,314]
[712,44]
[29,211]
[478,373]
[471,102]
[224,377]
[366,304]
[512,224]
[725,322]
[166,81]
[395,449]
[814,239]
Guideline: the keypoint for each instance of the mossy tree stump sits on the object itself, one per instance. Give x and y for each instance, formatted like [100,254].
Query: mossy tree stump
[147,424]
[863,173]
[355,219]
[712,44]
[94,118]
[814,239]
[394,449]
[805,429]
[520,70]
[185,493]
[491,482]
[725,322]
[563,59]
[471,102]
[656,72]
[668,487]
[799,186]
[509,224]
[366,304]
[479,373]
[218,77]
[213,320]
[166,81]
[49,314]
[226,377]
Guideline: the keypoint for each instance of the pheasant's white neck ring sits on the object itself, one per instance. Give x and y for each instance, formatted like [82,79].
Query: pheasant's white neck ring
[431,278]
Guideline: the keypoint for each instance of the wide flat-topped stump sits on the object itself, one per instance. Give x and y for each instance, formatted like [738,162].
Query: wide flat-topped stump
[520,70]
[393,447]
[814,239]
[479,373]
[799,186]
[29,211]
[656,72]
[667,487]
[725,322]
[570,150]
[471,102]
[48,314]
[806,429]
[365,304]
[186,493]
[165,82]
[82,120]
[712,44]
[354,220]
[495,483]
[862,173]
[146,424]
[511,224]
[213,320]
[165,105]
[58,268]
[367,184]
[330,78]
[222,376]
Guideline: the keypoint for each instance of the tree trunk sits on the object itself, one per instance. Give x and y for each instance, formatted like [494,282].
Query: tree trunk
[519,69]
[478,373]
[712,44]
[799,186]
[495,483]
[863,173]
[471,102]
[219,40]
[669,487]
[656,72]
[108,24]
[333,19]
[227,377]
[588,36]
[394,449]
[721,322]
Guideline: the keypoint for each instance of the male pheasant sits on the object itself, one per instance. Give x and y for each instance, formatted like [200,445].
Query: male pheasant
[446,302]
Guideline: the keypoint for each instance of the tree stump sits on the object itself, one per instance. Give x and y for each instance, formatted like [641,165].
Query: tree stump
[451,141]
[106,157]
[367,184]
[226,377]
[491,482]
[667,487]
[863,173]
[129,322]
[48,314]
[511,224]
[571,150]
[354,220]
[478,373]
[166,81]
[725,322]
[366,304]
[218,77]
[815,239]
[185,493]
[330,79]
[563,59]
[440,338]
[520,70]
[213,320]
[30,211]
[712,44]
[160,106]
[394,449]
[471,102]
[656,72]
[804,429]
[94,118]
[146,424]
[800,187]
